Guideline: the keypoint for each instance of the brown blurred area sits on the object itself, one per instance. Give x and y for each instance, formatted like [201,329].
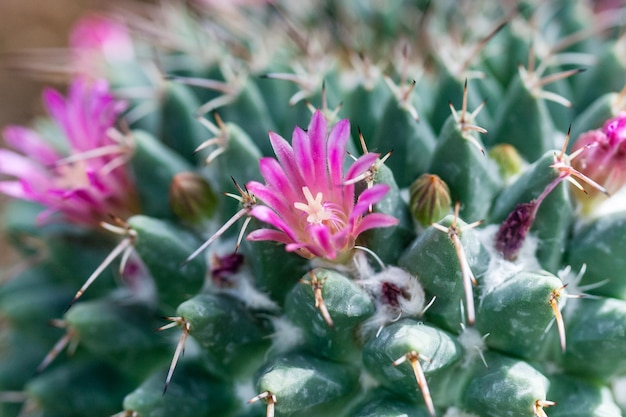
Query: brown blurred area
[26,24]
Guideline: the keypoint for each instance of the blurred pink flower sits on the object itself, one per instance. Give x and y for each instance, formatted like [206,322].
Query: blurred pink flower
[307,198]
[97,41]
[604,160]
[86,179]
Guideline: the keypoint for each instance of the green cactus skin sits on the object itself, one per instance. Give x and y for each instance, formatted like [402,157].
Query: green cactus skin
[418,319]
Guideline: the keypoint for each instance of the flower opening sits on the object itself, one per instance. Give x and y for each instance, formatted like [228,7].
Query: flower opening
[605,157]
[307,198]
[83,179]
[97,41]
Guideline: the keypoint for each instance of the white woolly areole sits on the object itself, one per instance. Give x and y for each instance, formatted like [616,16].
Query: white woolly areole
[242,287]
[500,269]
[410,297]
[286,336]
[245,291]
[457,412]
[619,391]
[244,390]
[474,345]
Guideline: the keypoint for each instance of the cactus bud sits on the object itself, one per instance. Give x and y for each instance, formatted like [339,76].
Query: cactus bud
[429,199]
[508,159]
[191,197]
[604,159]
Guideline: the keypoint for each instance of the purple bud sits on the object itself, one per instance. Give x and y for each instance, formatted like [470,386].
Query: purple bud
[513,230]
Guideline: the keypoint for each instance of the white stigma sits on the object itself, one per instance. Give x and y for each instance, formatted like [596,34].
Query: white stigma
[313,207]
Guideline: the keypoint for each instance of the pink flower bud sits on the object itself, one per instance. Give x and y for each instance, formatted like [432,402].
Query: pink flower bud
[604,160]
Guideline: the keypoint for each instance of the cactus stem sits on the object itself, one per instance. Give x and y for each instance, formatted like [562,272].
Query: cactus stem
[483,42]
[271,400]
[470,338]
[70,336]
[248,201]
[220,140]
[562,163]
[13,396]
[370,174]
[124,247]
[329,115]
[402,94]
[402,91]
[531,77]
[413,357]
[209,84]
[307,82]
[467,275]
[515,227]
[127,413]
[215,103]
[554,303]
[180,346]
[464,120]
[539,406]
[618,104]
[372,254]
[317,286]
[124,149]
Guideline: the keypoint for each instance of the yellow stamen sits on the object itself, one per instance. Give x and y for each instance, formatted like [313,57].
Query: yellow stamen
[313,207]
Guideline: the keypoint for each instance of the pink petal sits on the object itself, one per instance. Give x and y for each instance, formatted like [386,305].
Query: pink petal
[276,178]
[273,199]
[267,215]
[14,164]
[286,157]
[55,105]
[361,165]
[31,144]
[15,189]
[268,234]
[317,140]
[322,237]
[302,153]
[373,221]
[316,251]
[337,141]
[368,197]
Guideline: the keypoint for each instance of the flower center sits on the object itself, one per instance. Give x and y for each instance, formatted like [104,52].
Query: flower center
[72,176]
[313,207]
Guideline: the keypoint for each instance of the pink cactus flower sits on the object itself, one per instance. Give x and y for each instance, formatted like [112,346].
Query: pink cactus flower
[605,157]
[97,41]
[83,179]
[307,198]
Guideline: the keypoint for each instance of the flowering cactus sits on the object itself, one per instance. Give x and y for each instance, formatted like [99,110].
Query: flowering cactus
[327,225]
[424,249]
[86,180]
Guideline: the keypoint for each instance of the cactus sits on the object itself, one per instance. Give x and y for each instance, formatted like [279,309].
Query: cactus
[396,256]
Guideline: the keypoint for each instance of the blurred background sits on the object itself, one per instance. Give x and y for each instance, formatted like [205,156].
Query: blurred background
[26,24]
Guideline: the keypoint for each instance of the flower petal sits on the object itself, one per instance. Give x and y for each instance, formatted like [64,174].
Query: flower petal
[273,199]
[268,234]
[374,220]
[285,155]
[317,141]
[361,165]
[15,189]
[276,178]
[302,153]
[368,197]
[14,164]
[28,142]
[267,215]
[322,237]
[337,142]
